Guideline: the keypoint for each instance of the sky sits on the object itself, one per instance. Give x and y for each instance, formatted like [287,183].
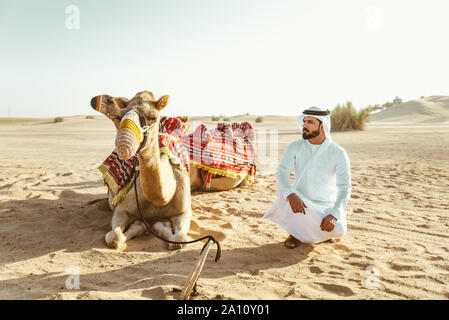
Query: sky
[215,57]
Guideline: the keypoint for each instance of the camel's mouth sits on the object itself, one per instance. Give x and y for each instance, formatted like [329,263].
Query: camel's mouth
[130,134]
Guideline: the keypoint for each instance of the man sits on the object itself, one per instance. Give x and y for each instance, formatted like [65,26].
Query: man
[312,208]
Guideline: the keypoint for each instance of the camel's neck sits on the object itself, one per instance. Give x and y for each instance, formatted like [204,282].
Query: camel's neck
[156,175]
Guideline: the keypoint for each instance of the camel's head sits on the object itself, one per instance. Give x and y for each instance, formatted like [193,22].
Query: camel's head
[131,118]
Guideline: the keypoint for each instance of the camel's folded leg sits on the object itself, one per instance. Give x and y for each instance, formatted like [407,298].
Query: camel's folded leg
[110,197]
[115,238]
[136,229]
[181,225]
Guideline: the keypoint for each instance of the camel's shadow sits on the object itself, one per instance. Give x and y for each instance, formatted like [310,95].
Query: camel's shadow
[78,222]
[152,276]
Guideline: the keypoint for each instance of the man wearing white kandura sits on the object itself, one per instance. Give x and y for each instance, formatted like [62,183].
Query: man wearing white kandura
[311,209]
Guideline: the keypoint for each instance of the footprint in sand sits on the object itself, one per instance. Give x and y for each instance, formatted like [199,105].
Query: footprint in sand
[355,255]
[232,210]
[212,210]
[402,249]
[6,186]
[316,270]
[404,267]
[337,289]
[342,247]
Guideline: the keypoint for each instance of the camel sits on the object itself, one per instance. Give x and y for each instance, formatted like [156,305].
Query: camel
[163,189]
[218,183]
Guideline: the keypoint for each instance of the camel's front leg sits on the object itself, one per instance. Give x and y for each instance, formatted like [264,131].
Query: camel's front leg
[181,226]
[116,239]
[110,197]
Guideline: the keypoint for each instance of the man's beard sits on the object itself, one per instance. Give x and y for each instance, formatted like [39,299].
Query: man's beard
[310,135]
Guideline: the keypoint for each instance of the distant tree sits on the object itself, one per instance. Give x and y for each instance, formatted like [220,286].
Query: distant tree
[215,118]
[375,107]
[397,100]
[346,117]
[259,120]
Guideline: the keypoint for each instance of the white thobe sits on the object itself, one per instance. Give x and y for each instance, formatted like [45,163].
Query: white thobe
[322,181]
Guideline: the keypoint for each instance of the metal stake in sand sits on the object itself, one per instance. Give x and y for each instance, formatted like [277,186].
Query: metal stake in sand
[188,287]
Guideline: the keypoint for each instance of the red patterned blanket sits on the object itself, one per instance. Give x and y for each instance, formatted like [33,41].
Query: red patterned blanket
[228,150]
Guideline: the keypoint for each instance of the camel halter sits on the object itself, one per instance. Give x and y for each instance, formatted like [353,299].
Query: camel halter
[131,136]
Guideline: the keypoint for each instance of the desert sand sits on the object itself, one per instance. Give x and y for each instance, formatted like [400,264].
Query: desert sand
[54,215]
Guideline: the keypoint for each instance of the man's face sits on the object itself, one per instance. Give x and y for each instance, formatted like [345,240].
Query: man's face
[311,127]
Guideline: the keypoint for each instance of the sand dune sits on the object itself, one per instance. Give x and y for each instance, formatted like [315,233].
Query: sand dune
[433,110]
[54,215]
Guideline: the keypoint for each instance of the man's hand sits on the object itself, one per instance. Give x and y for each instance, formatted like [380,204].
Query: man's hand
[328,223]
[296,203]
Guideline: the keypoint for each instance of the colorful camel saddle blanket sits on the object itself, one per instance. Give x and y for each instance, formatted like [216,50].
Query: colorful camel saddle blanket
[228,150]
[119,174]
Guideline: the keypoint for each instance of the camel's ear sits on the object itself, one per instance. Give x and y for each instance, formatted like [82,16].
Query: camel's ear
[109,106]
[162,102]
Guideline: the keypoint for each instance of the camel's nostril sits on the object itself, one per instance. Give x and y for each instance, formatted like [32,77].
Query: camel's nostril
[93,103]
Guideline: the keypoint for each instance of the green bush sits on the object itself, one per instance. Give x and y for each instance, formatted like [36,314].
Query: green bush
[215,118]
[259,119]
[346,117]
[226,119]
[59,119]
[90,117]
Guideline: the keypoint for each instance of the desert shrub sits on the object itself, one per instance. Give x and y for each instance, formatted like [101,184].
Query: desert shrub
[387,105]
[259,119]
[59,119]
[346,117]
[375,107]
[397,100]
[90,117]
[226,119]
[215,118]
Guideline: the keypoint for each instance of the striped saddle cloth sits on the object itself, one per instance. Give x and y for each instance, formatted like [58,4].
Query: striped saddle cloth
[228,150]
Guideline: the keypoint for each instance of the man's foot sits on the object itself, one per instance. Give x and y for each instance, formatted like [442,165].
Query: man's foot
[291,242]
